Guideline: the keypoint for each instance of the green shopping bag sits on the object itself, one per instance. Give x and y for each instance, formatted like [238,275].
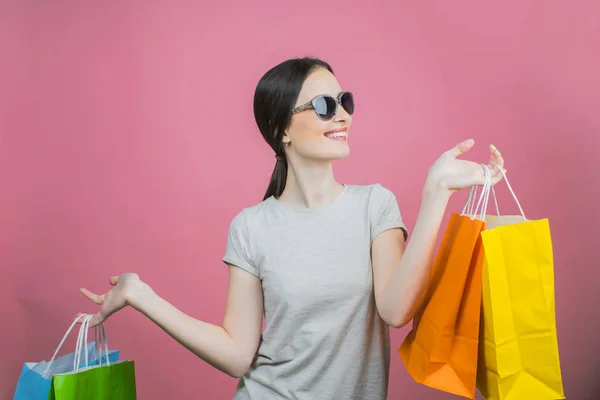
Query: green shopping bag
[108,381]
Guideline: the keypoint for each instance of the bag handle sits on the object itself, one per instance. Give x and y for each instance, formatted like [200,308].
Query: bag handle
[60,344]
[85,324]
[469,204]
[82,341]
[511,192]
[79,346]
[100,332]
[470,209]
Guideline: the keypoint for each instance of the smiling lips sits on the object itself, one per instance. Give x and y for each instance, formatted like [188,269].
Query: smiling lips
[337,134]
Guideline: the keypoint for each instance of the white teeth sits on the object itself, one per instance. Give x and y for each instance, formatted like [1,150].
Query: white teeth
[336,134]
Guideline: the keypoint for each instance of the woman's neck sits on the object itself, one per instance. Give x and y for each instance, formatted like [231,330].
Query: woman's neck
[310,184]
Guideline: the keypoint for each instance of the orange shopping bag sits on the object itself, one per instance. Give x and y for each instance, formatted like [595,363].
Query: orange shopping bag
[441,350]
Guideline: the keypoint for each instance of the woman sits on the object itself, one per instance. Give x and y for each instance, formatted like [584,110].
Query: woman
[325,262]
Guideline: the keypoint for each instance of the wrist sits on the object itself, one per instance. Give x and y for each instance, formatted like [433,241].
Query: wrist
[139,294]
[433,188]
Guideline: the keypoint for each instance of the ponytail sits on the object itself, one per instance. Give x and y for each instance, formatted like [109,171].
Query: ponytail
[274,100]
[278,179]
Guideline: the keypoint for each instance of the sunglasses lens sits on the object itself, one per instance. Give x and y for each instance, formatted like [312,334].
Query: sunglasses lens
[324,107]
[347,102]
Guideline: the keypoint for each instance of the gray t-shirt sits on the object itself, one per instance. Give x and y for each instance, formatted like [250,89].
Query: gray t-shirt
[324,338]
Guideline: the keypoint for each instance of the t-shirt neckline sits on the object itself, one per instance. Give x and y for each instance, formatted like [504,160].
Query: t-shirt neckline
[310,210]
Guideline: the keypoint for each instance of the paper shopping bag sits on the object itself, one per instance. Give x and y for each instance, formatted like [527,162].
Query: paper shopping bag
[109,382]
[35,378]
[518,355]
[441,350]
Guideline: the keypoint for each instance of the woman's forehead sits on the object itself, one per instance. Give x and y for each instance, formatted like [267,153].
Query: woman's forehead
[320,82]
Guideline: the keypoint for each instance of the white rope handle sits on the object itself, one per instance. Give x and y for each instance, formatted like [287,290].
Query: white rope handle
[468,208]
[471,208]
[82,343]
[104,339]
[80,337]
[472,205]
[99,332]
[486,191]
[83,340]
[496,203]
[61,343]
[511,192]
[99,339]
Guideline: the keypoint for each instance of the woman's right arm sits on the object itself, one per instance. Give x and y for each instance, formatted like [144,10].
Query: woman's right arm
[230,347]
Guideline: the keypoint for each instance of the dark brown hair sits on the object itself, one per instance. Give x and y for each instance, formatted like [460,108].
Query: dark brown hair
[274,98]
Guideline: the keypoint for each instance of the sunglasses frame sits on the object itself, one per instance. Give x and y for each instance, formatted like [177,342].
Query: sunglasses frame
[311,105]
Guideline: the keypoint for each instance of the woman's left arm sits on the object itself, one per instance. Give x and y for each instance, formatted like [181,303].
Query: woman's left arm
[401,274]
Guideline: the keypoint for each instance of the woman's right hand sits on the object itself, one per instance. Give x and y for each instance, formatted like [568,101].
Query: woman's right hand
[115,299]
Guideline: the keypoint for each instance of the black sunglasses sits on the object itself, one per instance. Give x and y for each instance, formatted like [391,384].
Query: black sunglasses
[326,106]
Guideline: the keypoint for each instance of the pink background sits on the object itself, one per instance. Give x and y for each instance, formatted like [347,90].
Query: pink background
[127,143]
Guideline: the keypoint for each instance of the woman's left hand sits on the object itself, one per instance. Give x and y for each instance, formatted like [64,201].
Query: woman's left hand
[452,174]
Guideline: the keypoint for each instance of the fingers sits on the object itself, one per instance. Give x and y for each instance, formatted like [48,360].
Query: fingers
[98,299]
[462,148]
[496,156]
[97,319]
[79,317]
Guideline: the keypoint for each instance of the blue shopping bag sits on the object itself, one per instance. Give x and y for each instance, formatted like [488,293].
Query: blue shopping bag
[36,378]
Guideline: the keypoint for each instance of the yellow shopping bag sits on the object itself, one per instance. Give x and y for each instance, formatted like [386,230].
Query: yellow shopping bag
[518,346]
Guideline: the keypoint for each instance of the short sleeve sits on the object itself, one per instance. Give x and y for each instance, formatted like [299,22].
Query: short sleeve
[238,251]
[385,212]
